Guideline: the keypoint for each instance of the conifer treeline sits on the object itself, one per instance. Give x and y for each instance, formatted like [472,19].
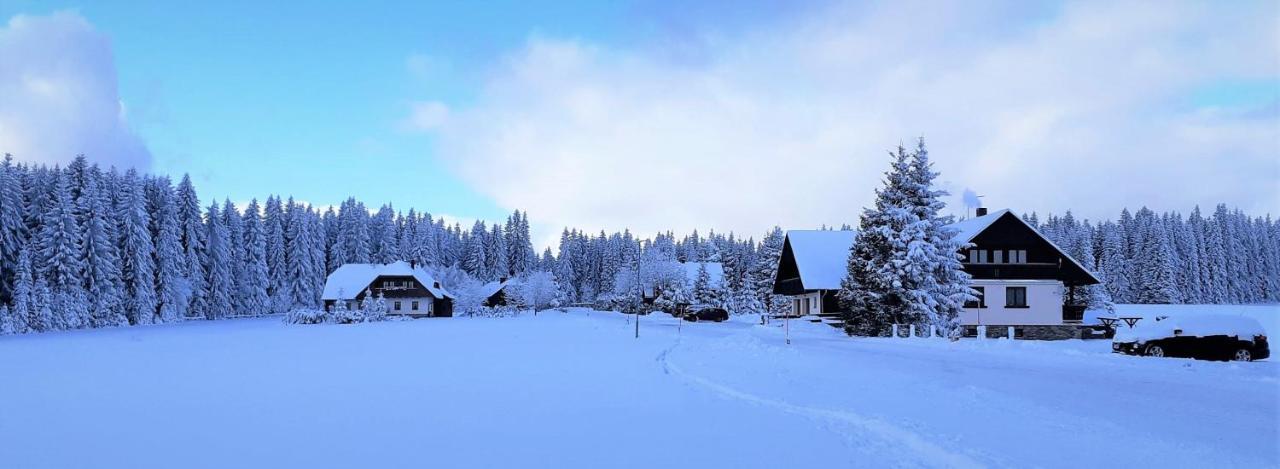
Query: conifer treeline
[85,247]
[1145,257]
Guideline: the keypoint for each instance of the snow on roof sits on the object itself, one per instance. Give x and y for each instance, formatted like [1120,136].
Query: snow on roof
[351,279]
[822,256]
[492,287]
[968,229]
[715,270]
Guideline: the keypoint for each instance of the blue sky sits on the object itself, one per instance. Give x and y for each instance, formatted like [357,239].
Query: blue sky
[323,101]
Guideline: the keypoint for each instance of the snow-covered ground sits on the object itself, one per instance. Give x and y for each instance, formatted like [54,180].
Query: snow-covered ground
[576,390]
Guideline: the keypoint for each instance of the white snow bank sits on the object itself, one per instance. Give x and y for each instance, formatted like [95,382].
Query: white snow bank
[1267,315]
[1202,325]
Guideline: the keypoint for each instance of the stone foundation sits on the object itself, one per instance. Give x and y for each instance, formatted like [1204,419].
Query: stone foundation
[1060,332]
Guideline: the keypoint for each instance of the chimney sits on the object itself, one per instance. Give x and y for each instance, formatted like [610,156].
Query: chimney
[982,211]
[502,280]
[437,284]
[413,263]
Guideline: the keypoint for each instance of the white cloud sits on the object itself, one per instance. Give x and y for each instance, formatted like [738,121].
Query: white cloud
[426,116]
[58,94]
[1081,108]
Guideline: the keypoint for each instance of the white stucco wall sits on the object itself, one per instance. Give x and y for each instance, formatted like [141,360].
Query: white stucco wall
[798,304]
[406,305]
[1044,304]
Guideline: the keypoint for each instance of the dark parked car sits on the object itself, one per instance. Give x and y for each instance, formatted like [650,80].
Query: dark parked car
[705,313]
[1204,337]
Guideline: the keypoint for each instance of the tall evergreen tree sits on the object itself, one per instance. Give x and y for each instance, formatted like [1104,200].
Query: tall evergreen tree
[253,291]
[218,267]
[136,246]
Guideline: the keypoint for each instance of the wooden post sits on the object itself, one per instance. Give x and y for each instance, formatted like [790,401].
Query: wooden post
[895,331]
[1011,331]
[912,331]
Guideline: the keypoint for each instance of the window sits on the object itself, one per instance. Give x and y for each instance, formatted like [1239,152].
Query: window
[982,256]
[999,257]
[981,302]
[1022,256]
[397,306]
[414,306]
[1015,297]
[973,256]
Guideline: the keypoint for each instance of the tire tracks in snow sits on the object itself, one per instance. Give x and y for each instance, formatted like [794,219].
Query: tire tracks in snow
[916,447]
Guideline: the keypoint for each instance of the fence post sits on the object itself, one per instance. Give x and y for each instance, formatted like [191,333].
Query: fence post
[982,332]
[1010,332]
[895,331]
[912,331]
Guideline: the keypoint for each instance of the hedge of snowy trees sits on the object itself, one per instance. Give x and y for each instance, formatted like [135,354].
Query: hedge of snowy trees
[1145,257]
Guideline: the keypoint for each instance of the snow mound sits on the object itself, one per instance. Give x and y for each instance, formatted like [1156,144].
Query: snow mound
[1192,326]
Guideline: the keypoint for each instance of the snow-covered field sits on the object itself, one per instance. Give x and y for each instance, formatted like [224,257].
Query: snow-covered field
[576,390]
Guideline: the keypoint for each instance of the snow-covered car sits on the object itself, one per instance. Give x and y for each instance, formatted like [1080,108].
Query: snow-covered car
[1205,337]
[697,313]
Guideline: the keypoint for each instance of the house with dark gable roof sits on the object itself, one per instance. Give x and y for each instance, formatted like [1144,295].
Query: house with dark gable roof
[1023,280]
[408,289]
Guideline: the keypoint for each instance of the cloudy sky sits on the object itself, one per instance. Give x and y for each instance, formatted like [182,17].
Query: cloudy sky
[732,115]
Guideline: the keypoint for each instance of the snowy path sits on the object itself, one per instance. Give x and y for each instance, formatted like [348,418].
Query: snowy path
[571,390]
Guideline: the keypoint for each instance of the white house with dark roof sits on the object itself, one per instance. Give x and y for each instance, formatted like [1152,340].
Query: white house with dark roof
[408,289]
[812,266]
[1023,280]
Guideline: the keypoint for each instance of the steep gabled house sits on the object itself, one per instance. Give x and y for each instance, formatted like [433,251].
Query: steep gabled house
[812,266]
[408,289]
[1023,280]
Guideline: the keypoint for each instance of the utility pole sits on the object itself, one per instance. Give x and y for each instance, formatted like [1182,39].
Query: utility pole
[641,289]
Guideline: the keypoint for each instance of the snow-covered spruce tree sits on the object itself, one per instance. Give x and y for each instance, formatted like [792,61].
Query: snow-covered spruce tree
[495,255]
[192,230]
[1155,262]
[766,270]
[703,291]
[253,291]
[317,272]
[43,318]
[23,308]
[869,293]
[426,248]
[904,267]
[61,263]
[1112,261]
[13,231]
[354,234]
[299,261]
[99,250]
[384,248]
[173,292]
[136,262]
[234,224]
[475,262]
[942,285]
[220,285]
[278,289]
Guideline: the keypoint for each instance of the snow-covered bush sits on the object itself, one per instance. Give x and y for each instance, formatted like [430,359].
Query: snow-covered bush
[306,316]
[536,291]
